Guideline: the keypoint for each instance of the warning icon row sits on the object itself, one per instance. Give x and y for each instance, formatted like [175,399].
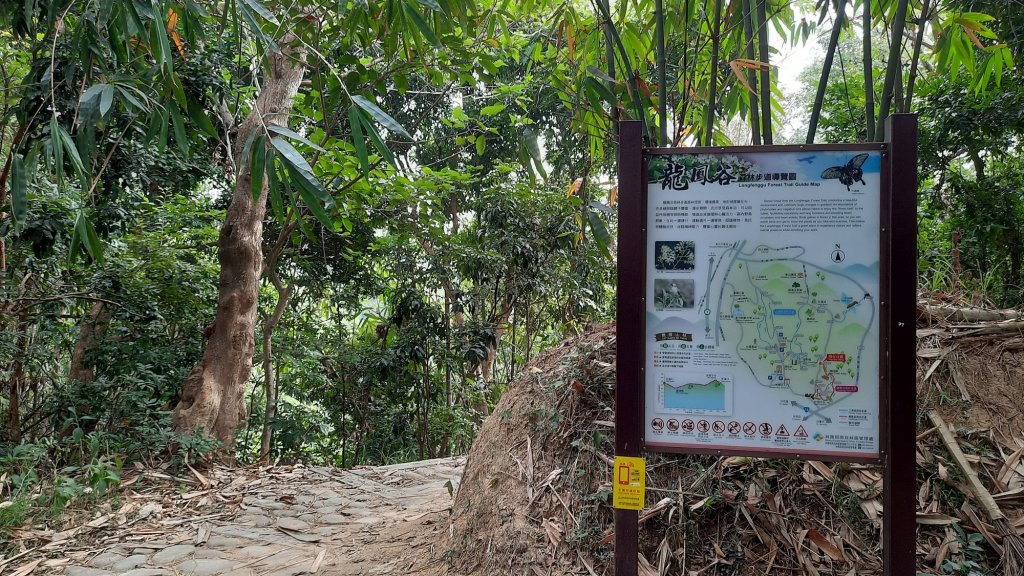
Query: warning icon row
[765,429]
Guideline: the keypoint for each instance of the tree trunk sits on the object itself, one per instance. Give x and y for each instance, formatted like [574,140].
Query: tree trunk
[284,294]
[500,321]
[17,382]
[92,331]
[213,394]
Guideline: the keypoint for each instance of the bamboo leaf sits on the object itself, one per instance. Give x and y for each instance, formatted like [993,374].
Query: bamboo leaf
[592,96]
[198,115]
[380,116]
[601,234]
[309,196]
[532,146]
[378,142]
[420,23]
[198,9]
[126,93]
[257,165]
[261,10]
[358,139]
[85,235]
[105,99]
[432,4]
[92,242]
[19,190]
[997,64]
[68,145]
[601,74]
[91,95]
[180,138]
[300,169]
[253,25]
[285,131]
[163,126]
[736,68]
[274,188]
[247,149]
[76,244]
[290,154]
[160,33]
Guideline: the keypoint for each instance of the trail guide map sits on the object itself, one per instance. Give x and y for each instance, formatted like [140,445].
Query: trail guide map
[762,319]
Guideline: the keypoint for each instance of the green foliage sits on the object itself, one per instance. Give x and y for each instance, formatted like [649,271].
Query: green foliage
[972,557]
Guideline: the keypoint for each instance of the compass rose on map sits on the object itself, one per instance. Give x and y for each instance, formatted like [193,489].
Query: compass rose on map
[837,255]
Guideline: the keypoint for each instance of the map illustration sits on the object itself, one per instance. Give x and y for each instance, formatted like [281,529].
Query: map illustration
[795,326]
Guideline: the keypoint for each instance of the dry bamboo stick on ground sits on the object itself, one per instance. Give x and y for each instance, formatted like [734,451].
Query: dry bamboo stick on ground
[1013,544]
[956,314]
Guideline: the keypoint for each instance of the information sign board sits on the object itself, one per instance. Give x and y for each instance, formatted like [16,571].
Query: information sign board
[763,301]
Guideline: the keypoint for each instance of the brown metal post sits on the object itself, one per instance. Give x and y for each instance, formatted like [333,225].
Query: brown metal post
[629,335]
[899,526]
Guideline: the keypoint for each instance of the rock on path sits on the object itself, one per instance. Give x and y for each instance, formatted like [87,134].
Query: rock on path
[381,520]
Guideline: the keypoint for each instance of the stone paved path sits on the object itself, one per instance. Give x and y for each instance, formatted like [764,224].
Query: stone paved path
[382,520]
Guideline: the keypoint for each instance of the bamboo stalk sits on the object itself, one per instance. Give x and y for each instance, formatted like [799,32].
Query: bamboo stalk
[958,314]
[826,68]
[893,67]
[766,73]
[609,50]
[716,41]
[755,119]
[684,81]
[659,37]
[869,84]
[916,58]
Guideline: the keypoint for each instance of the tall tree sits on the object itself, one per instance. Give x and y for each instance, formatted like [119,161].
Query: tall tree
[213,395]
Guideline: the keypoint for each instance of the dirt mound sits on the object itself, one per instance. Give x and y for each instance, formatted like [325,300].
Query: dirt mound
[974,380]
[535,497]
[507,508]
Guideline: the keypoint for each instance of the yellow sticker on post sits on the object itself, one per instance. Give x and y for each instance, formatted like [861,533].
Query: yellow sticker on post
[628,484]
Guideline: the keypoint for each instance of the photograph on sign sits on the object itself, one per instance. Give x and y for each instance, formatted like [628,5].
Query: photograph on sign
[763,312]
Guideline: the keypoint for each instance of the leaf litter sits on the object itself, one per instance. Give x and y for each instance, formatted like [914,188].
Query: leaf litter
[536,492]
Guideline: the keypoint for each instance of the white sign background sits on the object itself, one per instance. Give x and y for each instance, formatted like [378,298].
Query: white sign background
[762,318]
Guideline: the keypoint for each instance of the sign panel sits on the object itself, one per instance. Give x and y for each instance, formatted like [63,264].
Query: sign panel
[629,484]
[763,304]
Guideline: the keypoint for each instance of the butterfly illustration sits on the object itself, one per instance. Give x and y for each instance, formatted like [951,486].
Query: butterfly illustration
[848,174]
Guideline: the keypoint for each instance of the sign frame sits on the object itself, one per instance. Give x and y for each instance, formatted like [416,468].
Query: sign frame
[897,333]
